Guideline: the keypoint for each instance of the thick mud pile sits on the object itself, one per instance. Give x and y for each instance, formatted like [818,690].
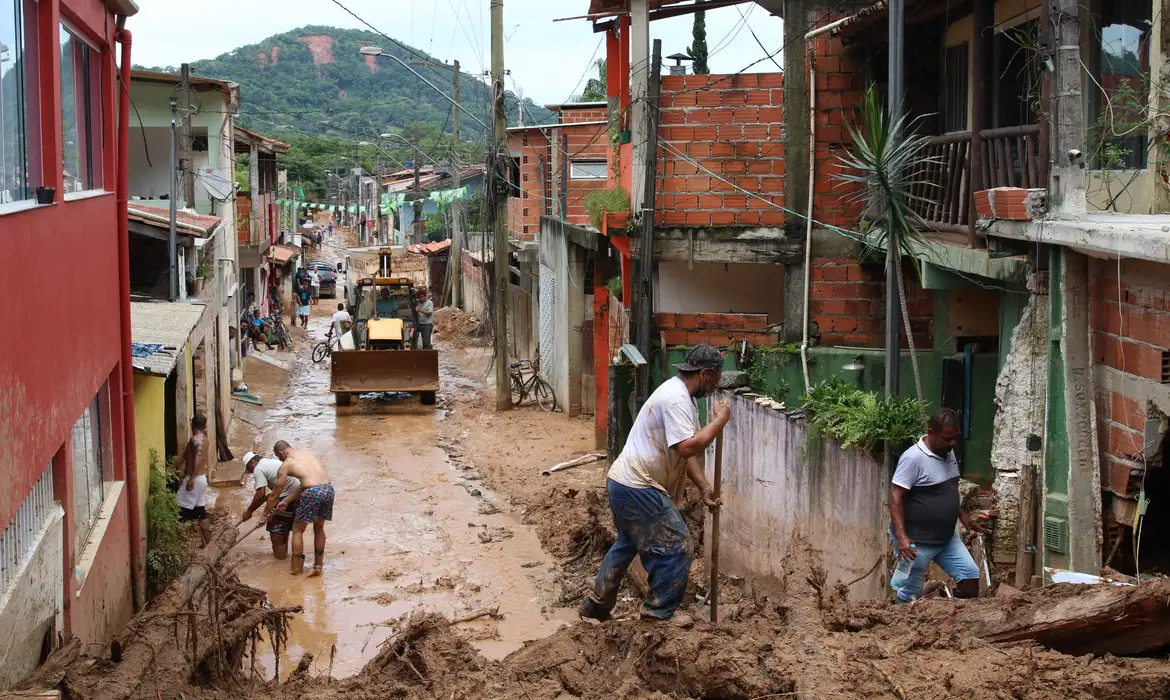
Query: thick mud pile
[809,643]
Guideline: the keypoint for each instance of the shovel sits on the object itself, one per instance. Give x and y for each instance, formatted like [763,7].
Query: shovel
[717,487]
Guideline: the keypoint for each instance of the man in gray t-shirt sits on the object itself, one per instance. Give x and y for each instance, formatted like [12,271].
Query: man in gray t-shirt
[279,524]
[426,318]
[924,508]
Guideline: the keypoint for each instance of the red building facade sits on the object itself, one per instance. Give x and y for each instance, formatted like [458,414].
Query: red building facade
[72,544]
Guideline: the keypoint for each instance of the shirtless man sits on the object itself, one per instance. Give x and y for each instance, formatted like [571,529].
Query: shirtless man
[314,502]
[192,496]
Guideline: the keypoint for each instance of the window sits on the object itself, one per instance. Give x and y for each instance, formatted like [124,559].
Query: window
[588,170]
[92,466]
[954,88]
[81,113]
[20,161]
[1118,134]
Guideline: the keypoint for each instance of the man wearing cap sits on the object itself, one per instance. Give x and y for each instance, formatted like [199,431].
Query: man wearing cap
[280,522]
[647,482]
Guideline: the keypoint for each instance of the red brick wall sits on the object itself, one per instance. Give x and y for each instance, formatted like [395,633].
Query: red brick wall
[1130,331]
[585,143]
[584,114]
[720,330]
[848,305]
[524,211]
[839,91]
[732,125]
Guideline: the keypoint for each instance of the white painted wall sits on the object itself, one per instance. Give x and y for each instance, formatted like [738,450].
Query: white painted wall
[720,288]
[33,603]
[772,491]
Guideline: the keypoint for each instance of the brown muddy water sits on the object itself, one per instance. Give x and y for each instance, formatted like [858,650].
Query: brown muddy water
[409,530]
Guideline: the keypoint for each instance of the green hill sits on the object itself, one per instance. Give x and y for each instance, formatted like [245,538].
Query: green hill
[313,81]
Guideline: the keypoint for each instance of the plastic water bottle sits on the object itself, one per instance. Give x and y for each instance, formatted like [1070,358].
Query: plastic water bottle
[902,572]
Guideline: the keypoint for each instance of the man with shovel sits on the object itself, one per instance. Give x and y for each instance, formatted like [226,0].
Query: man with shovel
[647,482]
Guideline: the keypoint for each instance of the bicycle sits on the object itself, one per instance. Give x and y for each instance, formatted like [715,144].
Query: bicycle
[283,337]
[321,349]
[532,385]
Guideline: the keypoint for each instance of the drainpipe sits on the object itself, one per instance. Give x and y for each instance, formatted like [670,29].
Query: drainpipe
[812,168]
[137,536]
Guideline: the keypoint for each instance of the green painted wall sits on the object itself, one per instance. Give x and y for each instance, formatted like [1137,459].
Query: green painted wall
[1056,431]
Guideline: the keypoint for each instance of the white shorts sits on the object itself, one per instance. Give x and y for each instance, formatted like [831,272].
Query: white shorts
[303,310]
[194,498]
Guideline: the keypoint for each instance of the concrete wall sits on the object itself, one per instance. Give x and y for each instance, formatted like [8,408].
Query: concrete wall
[102,604]
[33,604]
[719,288]
[777,483]
[474,285]
[562,307]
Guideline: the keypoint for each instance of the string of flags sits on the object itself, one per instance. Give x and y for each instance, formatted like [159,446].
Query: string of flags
[390,203]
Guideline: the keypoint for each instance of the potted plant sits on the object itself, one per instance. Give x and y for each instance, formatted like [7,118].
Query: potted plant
[202,272]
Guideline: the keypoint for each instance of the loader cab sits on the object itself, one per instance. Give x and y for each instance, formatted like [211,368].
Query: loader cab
[385,316]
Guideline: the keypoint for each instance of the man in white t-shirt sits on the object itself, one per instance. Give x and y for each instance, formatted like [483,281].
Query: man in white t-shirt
[341,322]
[646,484]
[315,283]
[264,473]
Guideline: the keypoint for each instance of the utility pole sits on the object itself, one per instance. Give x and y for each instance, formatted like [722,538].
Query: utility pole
[499,183]
[894,101]
[644,298]
[455,259]
[417,223]
[185,143]
[173,283]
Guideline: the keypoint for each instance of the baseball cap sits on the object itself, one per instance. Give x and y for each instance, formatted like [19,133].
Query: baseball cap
[248,457]
[702,356]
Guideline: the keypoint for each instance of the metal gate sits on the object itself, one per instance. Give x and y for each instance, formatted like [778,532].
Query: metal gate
[549,300]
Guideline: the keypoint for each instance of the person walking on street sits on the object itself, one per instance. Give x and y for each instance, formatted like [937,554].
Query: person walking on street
[342,322]
[924,508]
[279,525]
[426,318]
[315,283]
[304,296]
[311,501]
[192,496]
[647,483]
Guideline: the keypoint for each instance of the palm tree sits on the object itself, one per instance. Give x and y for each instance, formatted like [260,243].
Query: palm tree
[886,161]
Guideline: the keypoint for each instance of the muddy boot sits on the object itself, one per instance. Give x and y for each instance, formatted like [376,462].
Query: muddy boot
[967,588]
[593,610]
[318,562]
[298,564]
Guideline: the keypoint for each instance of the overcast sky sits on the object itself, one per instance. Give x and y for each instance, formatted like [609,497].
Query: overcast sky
[547,59]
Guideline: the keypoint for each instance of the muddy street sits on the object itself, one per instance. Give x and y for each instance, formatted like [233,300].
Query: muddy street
[409,529]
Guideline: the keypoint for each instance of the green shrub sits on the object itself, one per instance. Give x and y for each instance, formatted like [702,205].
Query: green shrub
[859,419]
[167,553]
[598,202]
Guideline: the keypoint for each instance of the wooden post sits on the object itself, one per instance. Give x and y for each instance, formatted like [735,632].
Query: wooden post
[718,487]
[1026,525]
[984,21]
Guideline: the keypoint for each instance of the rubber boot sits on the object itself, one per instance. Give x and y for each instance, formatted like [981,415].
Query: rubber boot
[967,588]
[592,609]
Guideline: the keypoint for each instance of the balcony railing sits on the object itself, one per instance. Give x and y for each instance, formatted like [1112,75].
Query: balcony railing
[1012,157]
[942,189]
[960,162]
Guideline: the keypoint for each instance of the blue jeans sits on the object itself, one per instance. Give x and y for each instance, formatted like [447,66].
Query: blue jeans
[952,557]
[650,526]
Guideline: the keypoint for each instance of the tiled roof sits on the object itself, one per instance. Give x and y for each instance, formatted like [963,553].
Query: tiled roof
[148,214]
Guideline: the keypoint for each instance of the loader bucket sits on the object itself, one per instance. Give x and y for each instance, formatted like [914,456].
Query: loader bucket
[359,371]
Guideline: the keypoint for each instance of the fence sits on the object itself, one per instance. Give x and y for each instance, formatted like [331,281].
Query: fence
[777,482]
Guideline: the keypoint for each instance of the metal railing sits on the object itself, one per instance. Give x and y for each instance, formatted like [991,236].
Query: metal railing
[20,536]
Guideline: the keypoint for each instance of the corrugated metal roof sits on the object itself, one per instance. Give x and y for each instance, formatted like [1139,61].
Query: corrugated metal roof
[165,323]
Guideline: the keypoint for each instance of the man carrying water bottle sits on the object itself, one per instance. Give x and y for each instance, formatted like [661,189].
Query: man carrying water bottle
[924,508]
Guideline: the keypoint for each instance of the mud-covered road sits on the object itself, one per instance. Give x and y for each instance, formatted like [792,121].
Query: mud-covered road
[409,528]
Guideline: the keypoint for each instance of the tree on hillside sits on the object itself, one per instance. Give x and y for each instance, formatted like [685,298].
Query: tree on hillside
[595,90]
[698,50]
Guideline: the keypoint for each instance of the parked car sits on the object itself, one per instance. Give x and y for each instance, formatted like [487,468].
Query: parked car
[327,273]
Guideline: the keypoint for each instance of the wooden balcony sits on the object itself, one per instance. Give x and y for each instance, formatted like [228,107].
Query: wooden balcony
[961,163]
